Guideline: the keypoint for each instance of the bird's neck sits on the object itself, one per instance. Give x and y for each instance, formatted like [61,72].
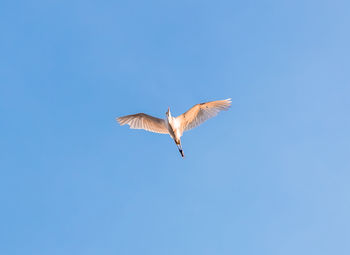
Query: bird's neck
[170,119]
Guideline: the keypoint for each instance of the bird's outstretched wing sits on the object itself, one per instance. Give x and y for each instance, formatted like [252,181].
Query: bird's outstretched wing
[202,112]
[144,121]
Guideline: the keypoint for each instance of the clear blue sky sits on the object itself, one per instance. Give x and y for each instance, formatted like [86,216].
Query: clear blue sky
[270,176]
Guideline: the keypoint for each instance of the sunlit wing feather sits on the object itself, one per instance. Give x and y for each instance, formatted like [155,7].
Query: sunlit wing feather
[144,121]
[202,112]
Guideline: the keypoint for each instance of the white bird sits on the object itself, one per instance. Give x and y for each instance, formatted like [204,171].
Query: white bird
[175,126]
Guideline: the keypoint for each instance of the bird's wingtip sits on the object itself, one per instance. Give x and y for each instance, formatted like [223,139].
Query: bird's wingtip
[118,120]
[228,101]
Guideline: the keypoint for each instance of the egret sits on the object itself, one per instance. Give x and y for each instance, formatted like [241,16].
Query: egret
[175,126]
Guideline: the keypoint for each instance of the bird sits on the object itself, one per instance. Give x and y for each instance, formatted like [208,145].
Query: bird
[176,126]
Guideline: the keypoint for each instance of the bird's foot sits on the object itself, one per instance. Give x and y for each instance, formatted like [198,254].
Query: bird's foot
[182,153]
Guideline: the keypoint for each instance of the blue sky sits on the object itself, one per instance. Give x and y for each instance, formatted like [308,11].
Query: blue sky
[270,176]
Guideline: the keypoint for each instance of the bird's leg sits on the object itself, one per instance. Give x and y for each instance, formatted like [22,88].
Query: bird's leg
[180,150]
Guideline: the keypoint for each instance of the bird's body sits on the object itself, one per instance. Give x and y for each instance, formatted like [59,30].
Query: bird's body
[175,126]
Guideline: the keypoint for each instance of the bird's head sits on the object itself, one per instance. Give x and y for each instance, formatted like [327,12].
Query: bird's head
[168,114]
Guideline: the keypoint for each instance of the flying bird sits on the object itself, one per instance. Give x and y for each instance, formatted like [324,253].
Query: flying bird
[175,126]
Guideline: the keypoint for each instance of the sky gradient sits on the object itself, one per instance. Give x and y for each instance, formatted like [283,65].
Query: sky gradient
[269,176]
